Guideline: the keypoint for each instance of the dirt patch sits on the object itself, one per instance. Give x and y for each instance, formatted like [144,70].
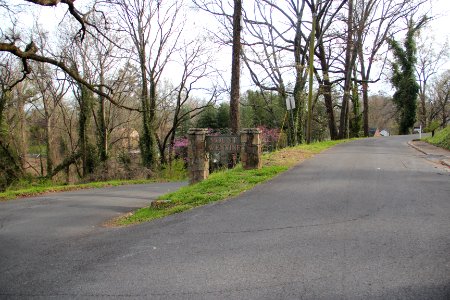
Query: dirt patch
[286,157]
[114,222]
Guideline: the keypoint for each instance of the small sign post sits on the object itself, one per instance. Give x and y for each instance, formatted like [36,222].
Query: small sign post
[290,106]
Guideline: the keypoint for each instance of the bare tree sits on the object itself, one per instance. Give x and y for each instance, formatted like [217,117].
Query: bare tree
[196,71]
[428,64]
[375,21]
[154,28]
[52,91]
[12,41]
[440,100]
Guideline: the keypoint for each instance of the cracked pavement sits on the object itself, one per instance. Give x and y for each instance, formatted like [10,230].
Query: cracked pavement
[369,219]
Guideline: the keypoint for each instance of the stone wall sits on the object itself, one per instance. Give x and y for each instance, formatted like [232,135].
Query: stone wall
[198,156]
[251,149]
[198,164]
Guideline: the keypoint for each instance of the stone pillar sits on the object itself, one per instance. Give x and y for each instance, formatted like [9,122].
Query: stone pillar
[251,149]
[198,165]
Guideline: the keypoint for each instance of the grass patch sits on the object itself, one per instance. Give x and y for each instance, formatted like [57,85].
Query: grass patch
[44,188]
[228,183]
[33,187]
[441,138]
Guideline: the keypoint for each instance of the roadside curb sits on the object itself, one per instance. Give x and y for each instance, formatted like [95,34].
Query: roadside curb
[417,148]
[444,162]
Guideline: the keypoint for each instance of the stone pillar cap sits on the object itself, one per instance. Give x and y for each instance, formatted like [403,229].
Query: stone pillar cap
[197,130]
[251,130]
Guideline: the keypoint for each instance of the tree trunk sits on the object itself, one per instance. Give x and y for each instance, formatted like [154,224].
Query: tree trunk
[299,130]
[365,91]
[22,141]
[236,67]
[343,123]
[85,109]
[147,141]
[365,94]
[423,107]
[102,130]
[48,143]
[326,91]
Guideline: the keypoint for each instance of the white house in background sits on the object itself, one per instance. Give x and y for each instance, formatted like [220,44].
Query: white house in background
[384,132]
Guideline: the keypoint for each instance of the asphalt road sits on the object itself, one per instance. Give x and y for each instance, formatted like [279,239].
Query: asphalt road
[368,219]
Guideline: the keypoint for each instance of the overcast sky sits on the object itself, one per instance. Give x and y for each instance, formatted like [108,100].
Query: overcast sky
[439,28]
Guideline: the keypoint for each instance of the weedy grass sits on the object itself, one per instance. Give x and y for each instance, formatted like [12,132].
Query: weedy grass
[226,184]
[441,138]
[34,187]
[44,188]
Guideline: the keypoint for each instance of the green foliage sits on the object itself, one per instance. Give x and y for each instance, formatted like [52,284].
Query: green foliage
[147,143]
[9,164]
[124,159]
[356,118]
[432,126]
[218,186]
[175,171]
[319,124]
[404,77]
[223,115]
[267,109]
[208,118]
[300,113]
[92,158]
[441,138]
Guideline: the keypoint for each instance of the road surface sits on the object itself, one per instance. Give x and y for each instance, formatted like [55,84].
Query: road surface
[368,219]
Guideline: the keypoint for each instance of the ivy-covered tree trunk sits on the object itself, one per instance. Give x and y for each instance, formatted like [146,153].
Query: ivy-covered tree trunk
[350,54]
[48,143]
[102,128]
[356,120]
[88,153]
[300,82]
[147,140]
[9,163]
[404,77]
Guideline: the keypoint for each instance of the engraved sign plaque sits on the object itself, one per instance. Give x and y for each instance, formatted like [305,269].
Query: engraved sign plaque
[223,144]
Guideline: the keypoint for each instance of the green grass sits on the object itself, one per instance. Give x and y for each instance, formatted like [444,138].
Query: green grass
[34,187]
[441,138]
[226,184]
[46,187]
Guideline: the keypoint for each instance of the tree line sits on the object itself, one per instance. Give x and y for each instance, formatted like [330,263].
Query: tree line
[118,79]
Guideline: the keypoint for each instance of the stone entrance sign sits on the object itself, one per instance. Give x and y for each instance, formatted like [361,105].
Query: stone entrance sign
[247,144]
[223,143]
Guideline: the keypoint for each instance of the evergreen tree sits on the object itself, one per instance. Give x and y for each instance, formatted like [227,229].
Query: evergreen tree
[208,118]
[404,77]
[223,115]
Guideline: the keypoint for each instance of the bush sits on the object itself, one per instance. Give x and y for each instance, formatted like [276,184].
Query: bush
[432,126]
[441,138]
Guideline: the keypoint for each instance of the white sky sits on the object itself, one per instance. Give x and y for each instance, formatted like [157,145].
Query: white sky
[439,29]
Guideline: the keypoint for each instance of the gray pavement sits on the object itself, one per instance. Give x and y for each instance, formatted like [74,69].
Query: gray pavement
[368,219]
[435,154]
